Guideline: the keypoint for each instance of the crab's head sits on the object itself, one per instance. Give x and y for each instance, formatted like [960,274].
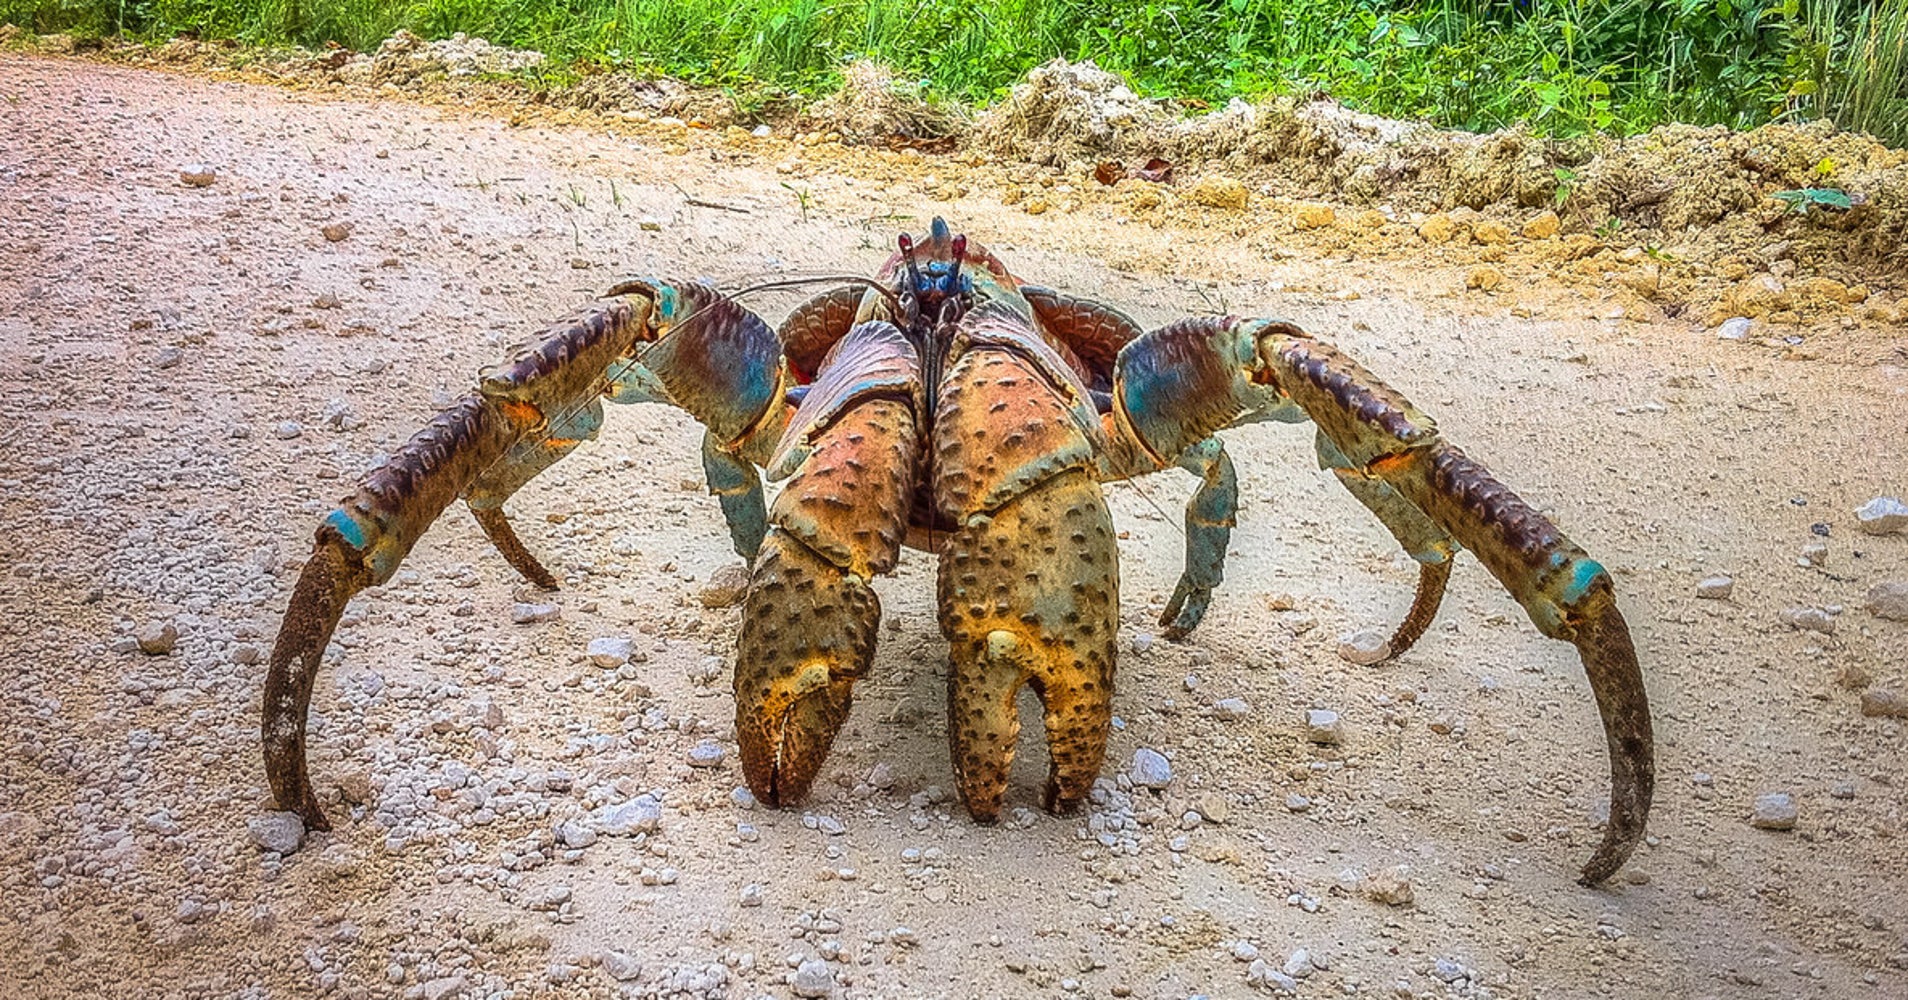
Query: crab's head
[933,288]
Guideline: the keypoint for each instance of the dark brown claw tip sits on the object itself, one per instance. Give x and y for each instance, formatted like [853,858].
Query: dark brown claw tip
[1609,659]
[497,527]
[1424,607]
[329,578]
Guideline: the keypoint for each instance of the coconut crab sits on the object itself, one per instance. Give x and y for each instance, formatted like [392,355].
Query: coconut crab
[946,405]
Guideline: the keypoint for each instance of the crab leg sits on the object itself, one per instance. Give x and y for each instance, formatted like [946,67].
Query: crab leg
[810,618]
[1178,384]
[484,446]
[680,344]
[1421,538]
[1567,594]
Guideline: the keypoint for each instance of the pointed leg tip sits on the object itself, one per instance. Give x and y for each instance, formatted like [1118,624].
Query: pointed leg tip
[1060,804]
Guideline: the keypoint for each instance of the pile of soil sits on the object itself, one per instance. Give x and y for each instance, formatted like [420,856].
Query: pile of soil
[874,107]
[1677,179]
[1682,221]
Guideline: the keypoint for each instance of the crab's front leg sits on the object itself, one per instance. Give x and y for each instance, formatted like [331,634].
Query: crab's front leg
[483,447]
[1175,386]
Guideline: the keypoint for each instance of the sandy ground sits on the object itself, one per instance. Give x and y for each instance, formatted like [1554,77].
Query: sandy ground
[191,376]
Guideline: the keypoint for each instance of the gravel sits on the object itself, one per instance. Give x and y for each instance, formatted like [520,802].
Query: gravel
[1888,600]
[638,815]
[1365,647]
[1150,769]
[531,614]
[1392,887]
[1323,726]
[707,753]
[1808,619]
[813,978]
[621,966]
[1231,709]
[278,832]
[1882,516]
[610,652]
[1715,588]
[1884,703]
[726,587]
[157,638]
[1773,811]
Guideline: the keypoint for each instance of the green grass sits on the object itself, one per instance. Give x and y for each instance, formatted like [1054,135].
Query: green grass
[1562,67]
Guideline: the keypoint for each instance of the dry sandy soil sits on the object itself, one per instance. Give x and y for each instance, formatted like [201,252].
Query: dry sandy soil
[190,376]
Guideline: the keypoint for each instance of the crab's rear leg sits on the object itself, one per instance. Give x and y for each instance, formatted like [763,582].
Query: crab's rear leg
[1029,580]
[809,622]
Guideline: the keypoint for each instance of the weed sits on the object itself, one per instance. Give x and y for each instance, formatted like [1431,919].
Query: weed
[1566,183]
[1563,67]
[802,198]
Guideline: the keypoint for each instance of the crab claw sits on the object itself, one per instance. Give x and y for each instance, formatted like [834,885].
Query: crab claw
[333,573]
[796,682]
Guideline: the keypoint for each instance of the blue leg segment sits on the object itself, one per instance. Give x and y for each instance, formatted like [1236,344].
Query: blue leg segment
[1210,516]
[738,487]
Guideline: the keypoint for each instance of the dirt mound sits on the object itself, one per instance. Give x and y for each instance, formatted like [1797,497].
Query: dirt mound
[873,107]
[1673,178]
[1065,112]
[404,58]
[617,93]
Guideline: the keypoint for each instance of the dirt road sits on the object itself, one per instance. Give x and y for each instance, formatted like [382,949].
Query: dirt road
[190,376]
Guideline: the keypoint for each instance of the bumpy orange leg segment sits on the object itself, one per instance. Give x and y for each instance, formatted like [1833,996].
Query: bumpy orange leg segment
[809,624]
[1029,581]
[1030,595]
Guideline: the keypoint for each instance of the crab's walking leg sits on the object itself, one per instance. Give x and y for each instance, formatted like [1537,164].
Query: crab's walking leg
[1029,580]
[810,619]
[1211,513]
[560,434]
[720,363]
[1421,538]
[1178,384]
[483,446]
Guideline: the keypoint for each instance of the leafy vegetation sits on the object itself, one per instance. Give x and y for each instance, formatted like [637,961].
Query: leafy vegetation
[1560,66]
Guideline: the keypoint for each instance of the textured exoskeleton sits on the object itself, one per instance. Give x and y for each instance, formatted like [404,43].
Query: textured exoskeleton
[947,406]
